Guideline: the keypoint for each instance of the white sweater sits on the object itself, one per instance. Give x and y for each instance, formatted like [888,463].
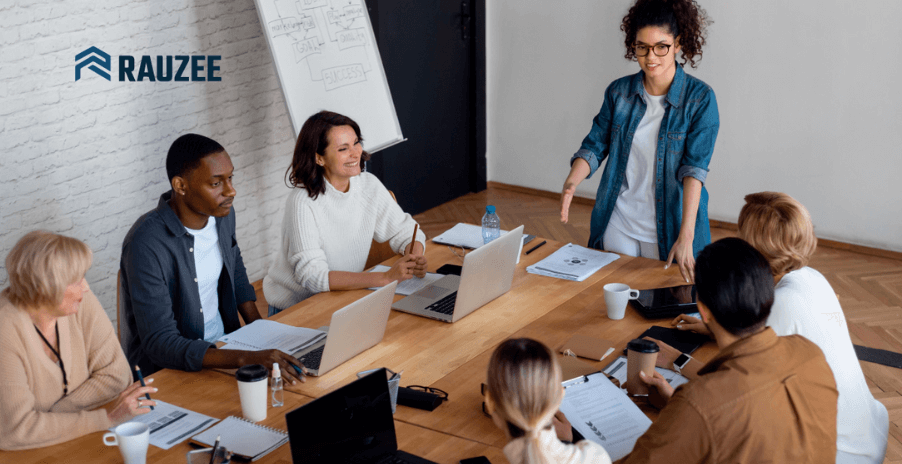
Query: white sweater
[805,304]
[333,233]
[554,451]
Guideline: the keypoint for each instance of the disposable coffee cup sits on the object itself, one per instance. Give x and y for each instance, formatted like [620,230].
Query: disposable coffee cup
[393,385]
[132,439]
[615,298]
[641,355]
[253,390]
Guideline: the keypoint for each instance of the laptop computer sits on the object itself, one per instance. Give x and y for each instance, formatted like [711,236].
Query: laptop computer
[354,328]
[487,273]
[353,424]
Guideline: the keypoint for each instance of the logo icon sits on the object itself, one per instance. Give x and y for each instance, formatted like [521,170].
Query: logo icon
[95,57]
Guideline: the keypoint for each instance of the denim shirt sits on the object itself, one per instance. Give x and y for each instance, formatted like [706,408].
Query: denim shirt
[685,145]
[163,323]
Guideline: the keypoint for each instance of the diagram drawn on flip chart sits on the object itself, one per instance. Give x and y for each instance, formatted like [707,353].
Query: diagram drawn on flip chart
[326,58]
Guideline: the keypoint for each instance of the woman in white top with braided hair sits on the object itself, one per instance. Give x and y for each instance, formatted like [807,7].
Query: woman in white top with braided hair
[523,396]
[332,215]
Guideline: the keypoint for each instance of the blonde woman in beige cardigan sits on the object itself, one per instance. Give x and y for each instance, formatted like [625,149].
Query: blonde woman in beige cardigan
[523,396]
[60,361]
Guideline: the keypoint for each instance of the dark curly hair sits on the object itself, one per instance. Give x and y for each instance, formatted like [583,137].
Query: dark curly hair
[313,139]
[682,18]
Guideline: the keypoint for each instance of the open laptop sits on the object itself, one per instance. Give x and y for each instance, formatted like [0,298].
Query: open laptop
[354,328]
[487,273]
[353,424]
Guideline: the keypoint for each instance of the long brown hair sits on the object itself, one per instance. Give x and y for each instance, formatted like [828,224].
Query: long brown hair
[313,139]
[524,386]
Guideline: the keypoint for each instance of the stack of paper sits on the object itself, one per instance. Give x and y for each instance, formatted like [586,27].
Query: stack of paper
[264,334]
[409,286]
[170,424]
[572,262]
[468,236]
[602,413]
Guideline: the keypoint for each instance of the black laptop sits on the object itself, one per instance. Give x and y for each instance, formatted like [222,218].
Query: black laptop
[669,302]
[353,424]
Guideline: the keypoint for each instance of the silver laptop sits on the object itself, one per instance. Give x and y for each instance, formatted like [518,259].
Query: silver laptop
[354,328]
[487,273]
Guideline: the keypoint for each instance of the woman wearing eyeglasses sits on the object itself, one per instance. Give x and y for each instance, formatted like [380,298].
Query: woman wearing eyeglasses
[657,129]
[523,395]
[62,371]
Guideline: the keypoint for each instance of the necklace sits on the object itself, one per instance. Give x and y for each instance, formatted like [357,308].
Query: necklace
[57,354]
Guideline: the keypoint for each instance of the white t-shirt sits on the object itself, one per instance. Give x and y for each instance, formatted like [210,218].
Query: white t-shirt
[634,210]
[805,304]
[208,263]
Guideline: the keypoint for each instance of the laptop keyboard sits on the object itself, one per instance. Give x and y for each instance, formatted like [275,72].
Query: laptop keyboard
[394,460]
[445,305]
[313,358]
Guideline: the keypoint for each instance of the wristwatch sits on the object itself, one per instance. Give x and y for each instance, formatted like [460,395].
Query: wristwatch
[681,362]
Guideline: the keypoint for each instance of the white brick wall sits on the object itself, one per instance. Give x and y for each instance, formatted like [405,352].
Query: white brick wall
[87,158]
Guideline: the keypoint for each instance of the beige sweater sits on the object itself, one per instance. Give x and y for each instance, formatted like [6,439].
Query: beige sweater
[33,411]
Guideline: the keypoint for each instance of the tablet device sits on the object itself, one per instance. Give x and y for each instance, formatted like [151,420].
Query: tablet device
[669,302]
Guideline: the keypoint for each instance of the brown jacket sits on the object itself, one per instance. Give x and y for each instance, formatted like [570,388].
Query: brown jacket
[762,399]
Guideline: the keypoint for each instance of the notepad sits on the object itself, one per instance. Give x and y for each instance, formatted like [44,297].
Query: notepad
[243,438]
[264,334]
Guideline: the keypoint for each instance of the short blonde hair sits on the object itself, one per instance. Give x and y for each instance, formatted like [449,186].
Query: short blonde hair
[524,387]
[780,228]
[41,265]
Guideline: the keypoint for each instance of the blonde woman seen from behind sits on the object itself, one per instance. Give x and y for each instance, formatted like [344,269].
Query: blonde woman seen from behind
[523,396]
[60,361]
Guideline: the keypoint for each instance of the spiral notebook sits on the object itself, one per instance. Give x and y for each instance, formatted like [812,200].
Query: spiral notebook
[243,438]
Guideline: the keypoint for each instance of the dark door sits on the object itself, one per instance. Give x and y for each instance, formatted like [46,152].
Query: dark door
[436,72]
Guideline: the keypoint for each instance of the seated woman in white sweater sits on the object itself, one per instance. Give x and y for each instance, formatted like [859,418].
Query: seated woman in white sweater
[332,215]
[804,303]
[523,395]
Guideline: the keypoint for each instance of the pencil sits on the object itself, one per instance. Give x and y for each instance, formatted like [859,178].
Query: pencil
[414,240]
[141,378]
[215,445]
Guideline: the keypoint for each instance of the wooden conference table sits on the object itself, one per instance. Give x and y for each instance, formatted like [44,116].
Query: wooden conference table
[451,357]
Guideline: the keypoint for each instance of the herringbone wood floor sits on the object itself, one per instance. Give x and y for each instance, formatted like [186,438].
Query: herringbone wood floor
[869,287]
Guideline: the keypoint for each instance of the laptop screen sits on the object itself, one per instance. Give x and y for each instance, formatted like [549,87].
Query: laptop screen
[351,424]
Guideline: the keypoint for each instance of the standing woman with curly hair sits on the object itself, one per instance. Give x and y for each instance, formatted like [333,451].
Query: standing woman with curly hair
[657,130]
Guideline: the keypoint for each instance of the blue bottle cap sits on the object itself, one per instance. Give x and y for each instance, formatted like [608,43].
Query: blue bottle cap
[490,209]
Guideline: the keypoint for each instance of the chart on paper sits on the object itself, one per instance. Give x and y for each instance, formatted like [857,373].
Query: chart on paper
[326,58]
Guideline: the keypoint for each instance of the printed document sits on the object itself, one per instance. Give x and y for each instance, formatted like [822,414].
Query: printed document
[617,370]
[572,262]
[411,285]
[170,425]
[603,413]
[468,236]
[264,334]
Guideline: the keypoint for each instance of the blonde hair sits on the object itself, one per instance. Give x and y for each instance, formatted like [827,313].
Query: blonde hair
[780,228]
[41,265]
[524,387]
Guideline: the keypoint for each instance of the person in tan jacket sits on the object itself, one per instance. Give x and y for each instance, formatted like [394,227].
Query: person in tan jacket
[763,398]
[60,361]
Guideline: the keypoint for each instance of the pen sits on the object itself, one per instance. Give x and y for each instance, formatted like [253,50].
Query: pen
[414,239]
[215,445]
[397,375]
[536,247]
[141,378]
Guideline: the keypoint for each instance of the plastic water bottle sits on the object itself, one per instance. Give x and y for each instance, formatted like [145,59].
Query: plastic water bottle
[277,394]
[491,225]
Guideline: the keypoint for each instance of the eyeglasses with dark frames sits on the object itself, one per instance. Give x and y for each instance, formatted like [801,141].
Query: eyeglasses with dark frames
[659,49]
[435,391]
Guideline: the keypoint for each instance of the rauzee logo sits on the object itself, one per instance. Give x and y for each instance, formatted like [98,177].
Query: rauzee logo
[162,68]
[101,59]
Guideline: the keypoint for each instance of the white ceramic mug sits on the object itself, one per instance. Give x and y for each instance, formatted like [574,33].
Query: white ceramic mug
[615,298]
[253,390]
[132,439]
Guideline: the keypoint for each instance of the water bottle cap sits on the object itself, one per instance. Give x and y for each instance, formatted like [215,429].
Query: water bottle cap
[490,209]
